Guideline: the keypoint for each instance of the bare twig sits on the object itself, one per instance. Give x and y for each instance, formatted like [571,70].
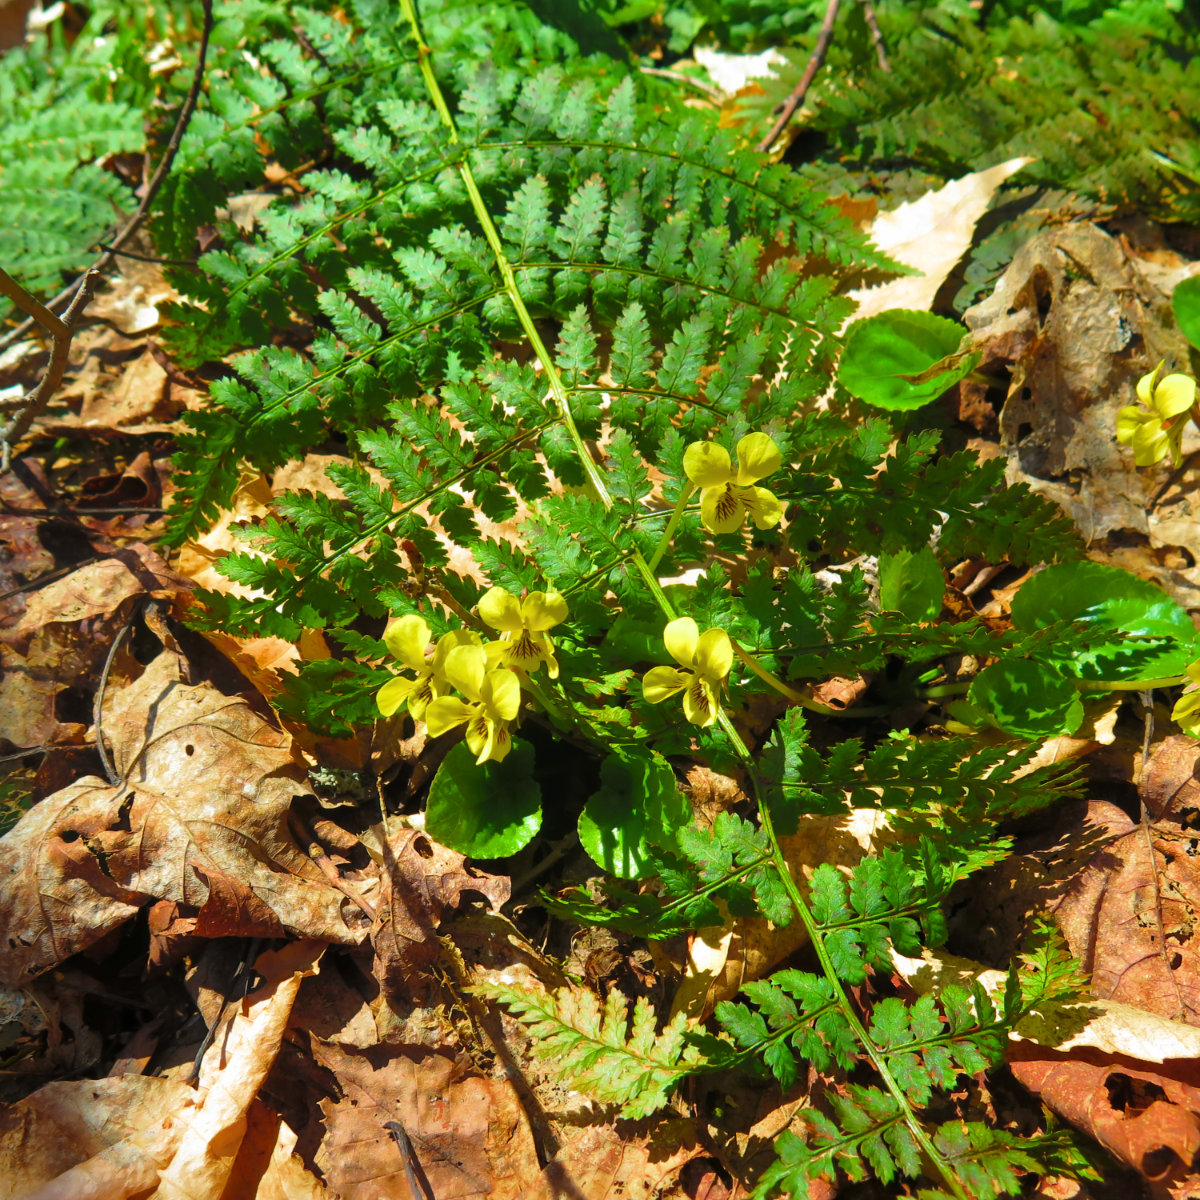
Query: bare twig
[713,94]
[98,703]
[61,330]
[876,35]
[793,102]
[105,261]
[412,1164]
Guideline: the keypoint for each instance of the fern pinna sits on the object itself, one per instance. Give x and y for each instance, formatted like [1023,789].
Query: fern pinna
[531,285]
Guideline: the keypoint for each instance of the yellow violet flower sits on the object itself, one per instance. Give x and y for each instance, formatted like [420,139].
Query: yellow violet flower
[1186,713]
[727,496]
[706,659]
[495,698]
[1155,433]
[524,645]
[407,639]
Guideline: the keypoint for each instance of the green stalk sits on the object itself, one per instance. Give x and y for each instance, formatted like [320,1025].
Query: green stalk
[783,870]
[672,525]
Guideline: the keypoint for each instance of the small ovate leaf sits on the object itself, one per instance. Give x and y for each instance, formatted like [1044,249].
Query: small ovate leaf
[1027,698]
[1186,302]
[902,359]
[911,583]
[485,810]
[638,805]
[1153,636]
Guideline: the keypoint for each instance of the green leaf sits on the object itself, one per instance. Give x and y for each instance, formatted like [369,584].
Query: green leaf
[903,359]
[1030,699]
[639,804]
[1153,636]
[487,810]
[1186,302]
[911,583]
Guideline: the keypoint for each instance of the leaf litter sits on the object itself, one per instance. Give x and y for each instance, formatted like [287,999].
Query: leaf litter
[211,841]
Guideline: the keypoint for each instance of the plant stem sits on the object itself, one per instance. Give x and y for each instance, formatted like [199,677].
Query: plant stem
[672,525]
[849,1013]
[1128,685]
[782,688]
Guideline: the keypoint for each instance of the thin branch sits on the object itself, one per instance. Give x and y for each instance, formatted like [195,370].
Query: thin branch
[713,94]
[98,704]
[876,35]
[61,329]
[794,101]
[105,261]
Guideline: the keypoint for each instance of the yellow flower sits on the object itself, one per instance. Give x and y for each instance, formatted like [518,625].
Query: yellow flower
[706,658]
[1158,432]
[408,641]
[1186,713]
[524,645]
[728,495]
[495,698]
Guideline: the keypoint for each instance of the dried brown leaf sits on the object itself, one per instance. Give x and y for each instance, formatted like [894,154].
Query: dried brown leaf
[1141,887]
[92,1139]
[425,881]
[201,819]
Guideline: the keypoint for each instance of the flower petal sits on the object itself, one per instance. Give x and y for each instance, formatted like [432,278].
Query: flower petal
[488,740]
[1175,395]
[464,670]
[407,639]
[758,457]
[700,704]
[451,641]
[659,683]
[392,696]
[501,610]
[707,464]
[714,654]
[543,610]
[721,510]
[1150,444]
[1145,387]
[764,506]
[1129,420]
[444,713]
[428,689]
[501,694]
[680,638]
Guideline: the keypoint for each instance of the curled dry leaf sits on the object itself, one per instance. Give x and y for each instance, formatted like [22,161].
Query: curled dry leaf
[425,880]
[231,1075]
[930,234]
[92,1137]
[1148,1119]
[63,636]
[200,818]
[1129,915]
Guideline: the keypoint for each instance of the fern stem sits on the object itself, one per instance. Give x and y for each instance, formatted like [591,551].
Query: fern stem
[782,688]
[524,318]
[672,525]
[780,863]
[1128,685]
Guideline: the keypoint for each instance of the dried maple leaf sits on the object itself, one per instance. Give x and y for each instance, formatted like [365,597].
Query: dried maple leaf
[200,818]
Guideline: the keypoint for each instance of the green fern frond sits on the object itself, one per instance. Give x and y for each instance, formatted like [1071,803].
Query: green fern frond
[607,1054]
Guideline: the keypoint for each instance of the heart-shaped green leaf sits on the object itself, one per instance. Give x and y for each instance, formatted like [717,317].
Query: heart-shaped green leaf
[903,358]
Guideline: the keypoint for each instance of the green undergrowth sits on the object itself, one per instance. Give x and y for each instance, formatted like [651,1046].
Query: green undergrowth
[1102,96]
[606,468]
